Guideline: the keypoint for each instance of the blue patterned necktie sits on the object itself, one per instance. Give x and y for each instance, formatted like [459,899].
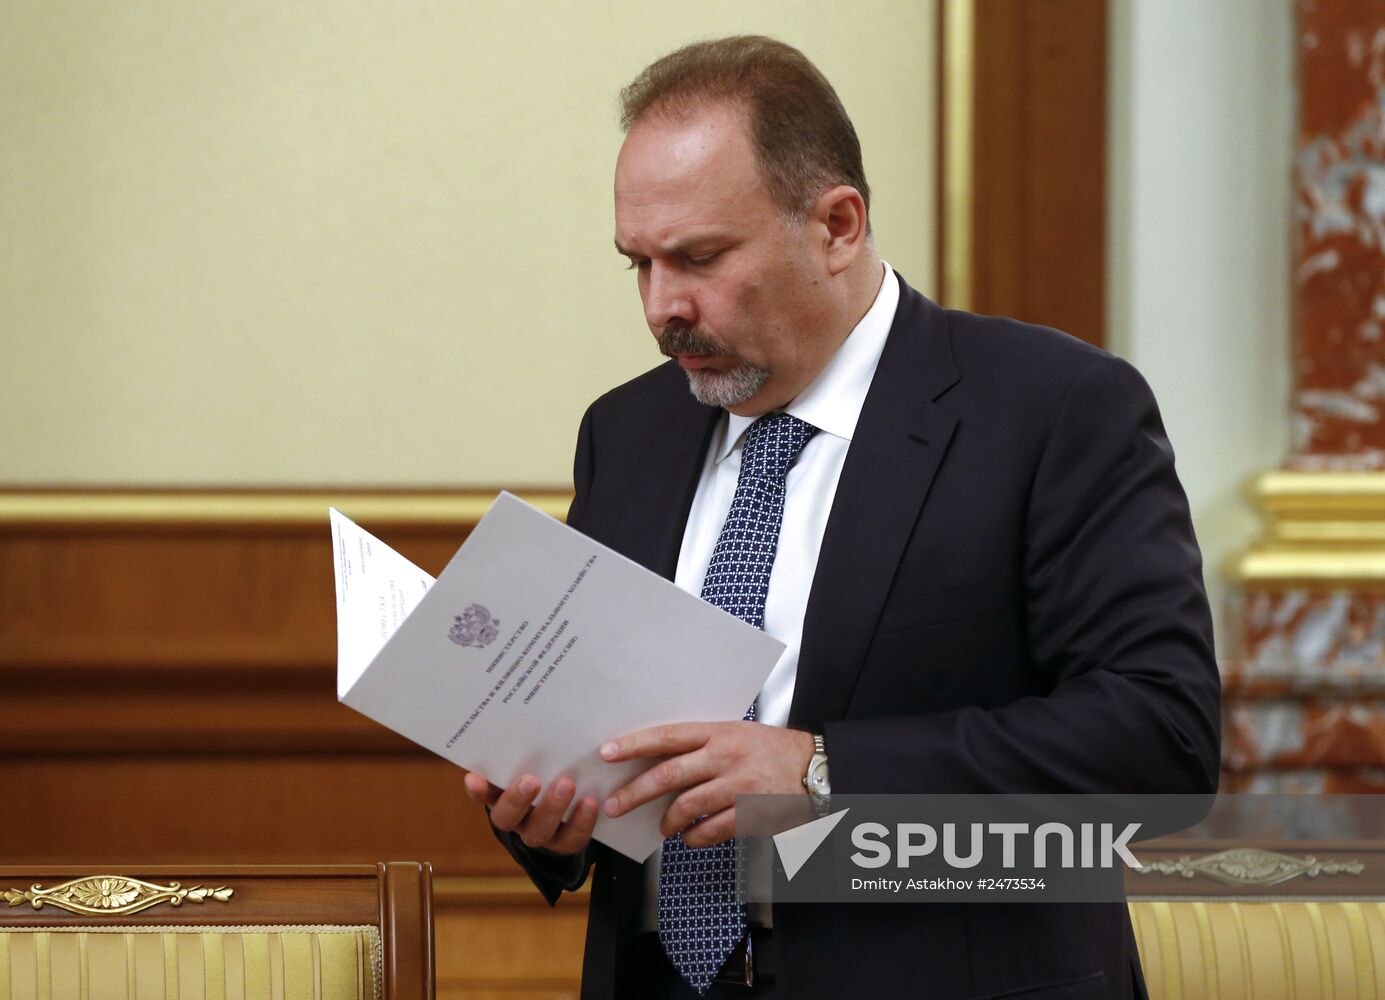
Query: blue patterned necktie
[700,918]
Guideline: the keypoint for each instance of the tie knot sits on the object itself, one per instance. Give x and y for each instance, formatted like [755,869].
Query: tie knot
[772,443]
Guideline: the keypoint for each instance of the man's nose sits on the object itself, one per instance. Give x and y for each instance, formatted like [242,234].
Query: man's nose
[667,298]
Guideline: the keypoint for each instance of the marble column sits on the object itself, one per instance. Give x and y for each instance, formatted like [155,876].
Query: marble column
[1305,674]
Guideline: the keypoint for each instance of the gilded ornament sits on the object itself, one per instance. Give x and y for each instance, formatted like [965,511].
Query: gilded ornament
[112,894]
[1244,866]
[1324,530]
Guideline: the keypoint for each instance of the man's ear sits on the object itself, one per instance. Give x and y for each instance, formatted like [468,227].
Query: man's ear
[841,211]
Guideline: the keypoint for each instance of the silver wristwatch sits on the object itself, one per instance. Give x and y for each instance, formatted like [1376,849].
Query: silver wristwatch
[816,781]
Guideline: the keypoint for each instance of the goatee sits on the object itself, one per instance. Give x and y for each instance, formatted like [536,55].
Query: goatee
[708,386]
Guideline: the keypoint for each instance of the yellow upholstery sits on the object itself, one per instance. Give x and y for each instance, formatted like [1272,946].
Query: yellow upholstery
[189,963]
[1272,950]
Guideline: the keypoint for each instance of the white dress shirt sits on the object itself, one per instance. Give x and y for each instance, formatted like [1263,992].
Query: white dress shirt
[832,403]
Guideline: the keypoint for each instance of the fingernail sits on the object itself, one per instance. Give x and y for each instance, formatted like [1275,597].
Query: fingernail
[612,806]
[528,785]
[609,750]
[563,788]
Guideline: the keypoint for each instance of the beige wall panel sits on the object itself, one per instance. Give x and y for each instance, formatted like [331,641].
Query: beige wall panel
[325,242]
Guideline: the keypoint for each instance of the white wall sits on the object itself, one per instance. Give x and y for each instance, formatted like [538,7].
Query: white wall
[1202,113]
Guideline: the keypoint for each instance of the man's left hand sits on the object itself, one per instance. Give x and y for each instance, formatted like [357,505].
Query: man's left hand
[710,763]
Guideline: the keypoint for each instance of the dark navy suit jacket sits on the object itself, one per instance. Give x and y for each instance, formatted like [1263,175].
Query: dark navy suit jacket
[1008,599]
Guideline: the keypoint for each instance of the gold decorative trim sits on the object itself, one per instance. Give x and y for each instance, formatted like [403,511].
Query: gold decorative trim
[268,507]
[1321,570]
[1244,866]
[112,895]
[1322,529]
[1306,492]
[958,41]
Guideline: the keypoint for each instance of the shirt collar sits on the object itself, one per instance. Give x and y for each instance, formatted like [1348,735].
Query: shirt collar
[832,402]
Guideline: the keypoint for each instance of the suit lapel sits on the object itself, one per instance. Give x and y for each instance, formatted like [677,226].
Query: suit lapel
[664,471]
[899,444]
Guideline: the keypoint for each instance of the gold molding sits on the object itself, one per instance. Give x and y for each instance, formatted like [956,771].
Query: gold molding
[1321,529]
[1288,488]
[1251,866]
[19,508]
[112,895]
[958,41]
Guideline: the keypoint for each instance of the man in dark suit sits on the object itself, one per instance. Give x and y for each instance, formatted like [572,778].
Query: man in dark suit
[985,571]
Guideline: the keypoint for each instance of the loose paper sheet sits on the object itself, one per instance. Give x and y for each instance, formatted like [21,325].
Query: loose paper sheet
[535,646]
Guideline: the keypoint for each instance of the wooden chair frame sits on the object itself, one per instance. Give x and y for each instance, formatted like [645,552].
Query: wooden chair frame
[395,897]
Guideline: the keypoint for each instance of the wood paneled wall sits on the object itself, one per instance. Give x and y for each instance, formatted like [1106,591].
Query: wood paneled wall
[168,696]
[1022,189]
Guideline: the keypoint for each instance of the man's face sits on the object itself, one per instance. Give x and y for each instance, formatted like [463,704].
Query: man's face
[730,290]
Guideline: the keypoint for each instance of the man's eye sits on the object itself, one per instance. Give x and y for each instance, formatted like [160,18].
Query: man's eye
[637,265]
[703,261]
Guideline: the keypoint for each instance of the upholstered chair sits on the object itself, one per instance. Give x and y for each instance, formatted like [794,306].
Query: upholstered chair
[217,933]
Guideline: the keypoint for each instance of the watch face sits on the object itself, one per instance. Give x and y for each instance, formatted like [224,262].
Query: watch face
[819,777]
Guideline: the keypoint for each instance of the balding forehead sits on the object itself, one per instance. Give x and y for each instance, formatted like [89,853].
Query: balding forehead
[684,158]
[679,109]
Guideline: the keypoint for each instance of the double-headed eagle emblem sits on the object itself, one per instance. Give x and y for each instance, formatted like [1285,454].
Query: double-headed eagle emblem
[474,627]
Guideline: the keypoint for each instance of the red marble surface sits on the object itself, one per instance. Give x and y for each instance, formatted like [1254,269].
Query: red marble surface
[1304,672]
[1304,692]
[1339,223]
[1303,641]
[1309,732]
[1308,781]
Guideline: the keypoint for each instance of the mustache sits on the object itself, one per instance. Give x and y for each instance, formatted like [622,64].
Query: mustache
[679,338]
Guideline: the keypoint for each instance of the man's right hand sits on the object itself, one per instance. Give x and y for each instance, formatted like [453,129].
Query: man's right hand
[512,810]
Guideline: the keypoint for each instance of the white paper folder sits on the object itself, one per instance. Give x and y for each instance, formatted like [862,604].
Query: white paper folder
[535,646]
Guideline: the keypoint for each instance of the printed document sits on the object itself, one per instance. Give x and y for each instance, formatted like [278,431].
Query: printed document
[535,646]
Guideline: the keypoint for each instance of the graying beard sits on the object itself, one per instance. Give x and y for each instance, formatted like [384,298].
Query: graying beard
[726,388]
